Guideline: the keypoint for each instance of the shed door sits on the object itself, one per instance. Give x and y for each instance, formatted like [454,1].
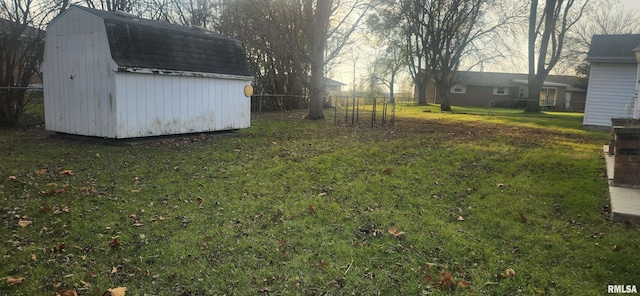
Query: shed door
[77,59]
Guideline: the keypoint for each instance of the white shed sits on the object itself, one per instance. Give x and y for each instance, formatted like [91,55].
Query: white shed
[613,78]
[114,75]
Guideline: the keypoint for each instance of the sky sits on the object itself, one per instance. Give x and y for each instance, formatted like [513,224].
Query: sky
[631,3]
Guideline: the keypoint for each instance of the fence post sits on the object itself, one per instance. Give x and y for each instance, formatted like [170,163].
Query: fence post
[346,112]
[358,110]
[373,112]
[335,111]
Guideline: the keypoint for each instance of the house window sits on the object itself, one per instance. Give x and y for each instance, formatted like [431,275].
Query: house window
[548,96]
[500,91]
[458,89]
[522,92]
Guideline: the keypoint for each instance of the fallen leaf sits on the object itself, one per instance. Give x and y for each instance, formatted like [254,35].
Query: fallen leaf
[40,172]
[199,200]
[500,185]
[161,218]
[119,291]
[388,171]
[464,284]
[460,218]
[115,243]
[427,279]
[24,223]
[70,292]
[510,272]
[311,208]
[66,172]
[14,281]
[114,270]
[135,191]
[138,224]
[395,231]
[134,217]
[12,178]
[33,257]
[446,280]
[616,248]
[58,248]
[85,284]
[523,218]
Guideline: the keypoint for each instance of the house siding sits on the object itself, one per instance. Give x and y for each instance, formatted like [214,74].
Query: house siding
[78,74]
[611,88]
[152,105]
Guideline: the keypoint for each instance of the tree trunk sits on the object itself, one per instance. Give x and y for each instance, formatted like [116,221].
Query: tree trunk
[534,88]
[533,105]
[318,46]
[445,105]
[421,90]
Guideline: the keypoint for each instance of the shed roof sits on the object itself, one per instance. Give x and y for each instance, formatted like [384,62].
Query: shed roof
[149,44]
[613,48]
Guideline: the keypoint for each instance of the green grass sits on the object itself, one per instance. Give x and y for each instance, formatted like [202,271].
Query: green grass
[294,207]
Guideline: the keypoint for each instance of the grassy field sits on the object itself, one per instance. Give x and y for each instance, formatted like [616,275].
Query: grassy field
[441,203]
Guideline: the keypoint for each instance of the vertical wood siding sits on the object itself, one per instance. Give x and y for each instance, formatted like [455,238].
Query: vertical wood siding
[77,47]
[152,105]
[611,87]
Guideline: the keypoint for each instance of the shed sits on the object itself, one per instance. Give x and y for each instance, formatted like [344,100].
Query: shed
[613,78]
[114,75]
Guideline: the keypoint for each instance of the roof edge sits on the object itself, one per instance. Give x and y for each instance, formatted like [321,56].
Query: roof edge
[183,73]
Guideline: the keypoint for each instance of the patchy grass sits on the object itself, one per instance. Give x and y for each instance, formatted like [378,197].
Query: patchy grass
[439,203]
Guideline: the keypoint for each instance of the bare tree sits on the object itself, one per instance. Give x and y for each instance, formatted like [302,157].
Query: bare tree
[442,34]
[599,20]
[22,34]
[547,34]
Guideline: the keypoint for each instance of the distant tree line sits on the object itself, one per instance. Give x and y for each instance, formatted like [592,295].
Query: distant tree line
[290,43]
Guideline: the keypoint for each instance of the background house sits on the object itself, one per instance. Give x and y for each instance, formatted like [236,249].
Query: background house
[333,87]
[613,78]
[503,89]
[113,75]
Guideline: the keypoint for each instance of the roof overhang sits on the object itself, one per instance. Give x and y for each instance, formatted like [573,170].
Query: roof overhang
[183,73]
[611,59]
[545,83]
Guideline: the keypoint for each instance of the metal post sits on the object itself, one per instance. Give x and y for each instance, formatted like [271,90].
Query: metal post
[353,109]
[346,112]
[373,113]
[335,111]
[358,110]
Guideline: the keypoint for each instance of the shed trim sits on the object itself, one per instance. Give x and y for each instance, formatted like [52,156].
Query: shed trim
[183,73]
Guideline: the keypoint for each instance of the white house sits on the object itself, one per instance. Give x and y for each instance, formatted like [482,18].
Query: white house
[114,75]
[613,78]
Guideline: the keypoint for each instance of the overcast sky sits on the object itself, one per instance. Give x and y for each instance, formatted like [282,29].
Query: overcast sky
[632,3]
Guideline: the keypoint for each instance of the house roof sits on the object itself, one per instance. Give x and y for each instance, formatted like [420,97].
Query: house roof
[331,82]
[513,79]
[613,48]
[149,44]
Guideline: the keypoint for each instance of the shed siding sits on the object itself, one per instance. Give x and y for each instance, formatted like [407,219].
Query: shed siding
[151,105]
[77,47]
[611,88]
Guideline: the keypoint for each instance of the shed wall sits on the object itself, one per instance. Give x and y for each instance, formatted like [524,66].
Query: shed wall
[78,76]
[151,104]
[611,88]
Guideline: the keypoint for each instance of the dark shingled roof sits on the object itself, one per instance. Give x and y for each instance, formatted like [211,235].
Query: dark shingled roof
[149,44]
[613,48]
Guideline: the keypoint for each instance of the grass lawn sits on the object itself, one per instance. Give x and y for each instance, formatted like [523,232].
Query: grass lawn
[440,203]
